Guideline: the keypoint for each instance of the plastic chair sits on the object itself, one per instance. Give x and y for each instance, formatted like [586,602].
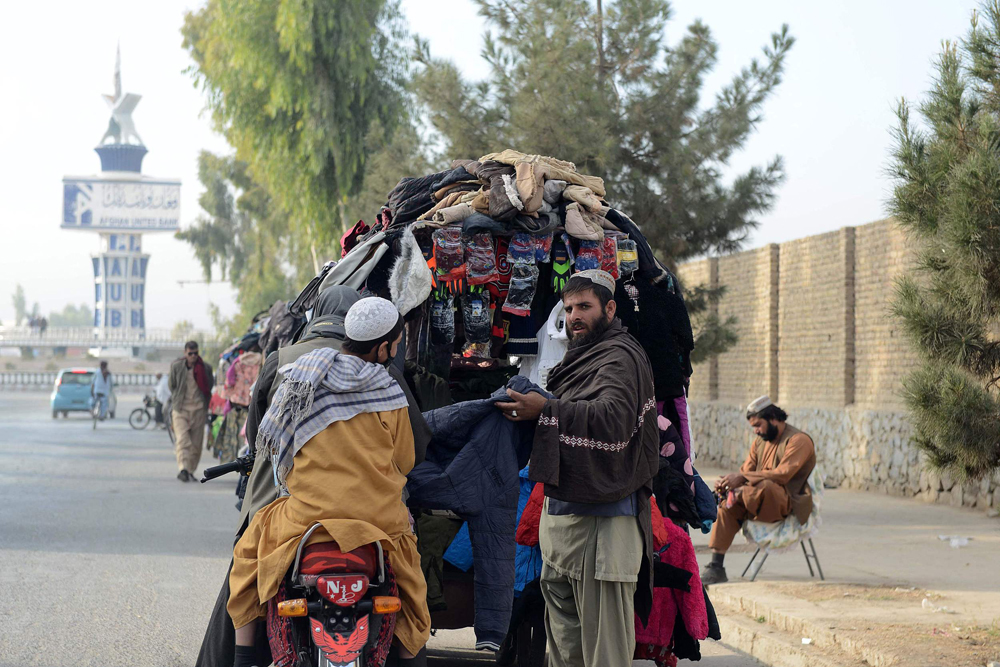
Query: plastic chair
[785,535]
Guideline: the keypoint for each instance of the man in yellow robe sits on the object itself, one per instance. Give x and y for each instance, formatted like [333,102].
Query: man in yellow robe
[339,438]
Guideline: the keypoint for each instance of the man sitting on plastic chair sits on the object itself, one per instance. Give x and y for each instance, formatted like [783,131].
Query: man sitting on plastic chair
[772,483]
[785,535]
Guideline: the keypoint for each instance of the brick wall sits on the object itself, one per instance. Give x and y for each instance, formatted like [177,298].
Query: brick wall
[815,332]
[815,321]
[750,368]
[883,355]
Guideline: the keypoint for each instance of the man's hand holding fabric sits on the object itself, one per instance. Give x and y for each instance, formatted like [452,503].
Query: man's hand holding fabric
[522,407]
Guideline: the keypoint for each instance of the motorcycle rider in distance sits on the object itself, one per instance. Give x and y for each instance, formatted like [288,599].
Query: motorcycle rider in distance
[338,435]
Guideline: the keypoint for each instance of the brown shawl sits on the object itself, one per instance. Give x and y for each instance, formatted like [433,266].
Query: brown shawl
[597,442]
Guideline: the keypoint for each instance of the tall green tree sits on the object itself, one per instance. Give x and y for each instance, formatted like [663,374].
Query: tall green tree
[392,157]
[20,303]
[597,84]
[947,196]
[243,237]
[295,88]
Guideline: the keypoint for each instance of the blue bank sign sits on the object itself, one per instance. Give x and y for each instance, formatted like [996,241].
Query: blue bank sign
[100,204]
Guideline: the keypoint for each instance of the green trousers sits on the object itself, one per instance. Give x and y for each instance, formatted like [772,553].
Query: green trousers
[589,573]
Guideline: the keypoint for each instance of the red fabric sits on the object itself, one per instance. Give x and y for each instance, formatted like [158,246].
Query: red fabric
[654,638]
[350,237]
[527,529]
[379,651]
[668,601]
[216,404]
[279,631]
[244,372]
[661,655]
[323,557]
[201,377]
[660,536]
[498,289]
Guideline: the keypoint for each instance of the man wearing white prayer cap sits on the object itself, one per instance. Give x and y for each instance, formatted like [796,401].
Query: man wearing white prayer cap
[771,484]
[374,328]
[339,439]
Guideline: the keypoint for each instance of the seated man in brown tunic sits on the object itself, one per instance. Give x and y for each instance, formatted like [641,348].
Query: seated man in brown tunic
[771,484]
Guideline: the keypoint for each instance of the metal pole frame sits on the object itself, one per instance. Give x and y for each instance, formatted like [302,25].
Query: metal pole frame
[810,558]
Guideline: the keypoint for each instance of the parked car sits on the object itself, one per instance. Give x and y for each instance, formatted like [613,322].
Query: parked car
[71,392]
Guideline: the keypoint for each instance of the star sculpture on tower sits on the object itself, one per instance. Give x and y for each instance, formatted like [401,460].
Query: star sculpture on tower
[121,129]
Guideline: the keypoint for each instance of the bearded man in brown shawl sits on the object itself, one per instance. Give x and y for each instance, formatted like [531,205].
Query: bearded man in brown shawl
[596,452]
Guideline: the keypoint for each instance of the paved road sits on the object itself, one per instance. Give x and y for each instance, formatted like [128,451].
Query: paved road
[105,558]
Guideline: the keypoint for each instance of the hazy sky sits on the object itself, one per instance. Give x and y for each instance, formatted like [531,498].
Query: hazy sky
[830,119]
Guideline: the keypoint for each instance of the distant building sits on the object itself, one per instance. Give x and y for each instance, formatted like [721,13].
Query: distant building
[120,204]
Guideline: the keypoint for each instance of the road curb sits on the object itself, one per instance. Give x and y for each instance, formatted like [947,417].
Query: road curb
[765,644]
[784,621]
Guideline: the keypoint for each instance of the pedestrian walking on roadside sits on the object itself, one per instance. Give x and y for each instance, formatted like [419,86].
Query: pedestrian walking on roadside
[771,484]
[596,449]
[190,384]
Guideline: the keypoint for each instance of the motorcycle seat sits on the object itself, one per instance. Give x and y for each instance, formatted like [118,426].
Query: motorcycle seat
[326,557]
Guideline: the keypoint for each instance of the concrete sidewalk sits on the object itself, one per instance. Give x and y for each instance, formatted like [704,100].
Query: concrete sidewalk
[882,558]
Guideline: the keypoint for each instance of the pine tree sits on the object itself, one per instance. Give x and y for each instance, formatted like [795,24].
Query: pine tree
[947,195]
[598,85]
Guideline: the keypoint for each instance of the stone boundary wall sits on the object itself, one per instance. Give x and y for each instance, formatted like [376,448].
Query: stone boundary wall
[815,333]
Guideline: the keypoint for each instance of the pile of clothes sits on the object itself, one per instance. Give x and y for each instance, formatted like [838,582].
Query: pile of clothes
[475,257]
[239,365]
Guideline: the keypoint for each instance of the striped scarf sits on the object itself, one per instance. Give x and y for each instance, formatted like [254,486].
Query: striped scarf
[320,388]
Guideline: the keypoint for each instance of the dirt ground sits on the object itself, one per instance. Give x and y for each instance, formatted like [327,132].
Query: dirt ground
[917,633]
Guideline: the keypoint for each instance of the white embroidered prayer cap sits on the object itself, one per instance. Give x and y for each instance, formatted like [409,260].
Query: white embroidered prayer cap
[757,405]
[598,277]
[370,318]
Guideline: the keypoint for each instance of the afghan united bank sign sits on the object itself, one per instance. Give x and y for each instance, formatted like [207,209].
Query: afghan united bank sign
[107,204]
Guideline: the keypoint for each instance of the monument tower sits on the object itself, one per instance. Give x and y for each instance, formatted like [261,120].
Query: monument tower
[120,204]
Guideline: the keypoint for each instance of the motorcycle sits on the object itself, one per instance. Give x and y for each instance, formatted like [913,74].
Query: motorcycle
[142,417]
[334,609]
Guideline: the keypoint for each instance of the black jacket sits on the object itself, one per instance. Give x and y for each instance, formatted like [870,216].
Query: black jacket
[412,197]
[663,328]
[471,468]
